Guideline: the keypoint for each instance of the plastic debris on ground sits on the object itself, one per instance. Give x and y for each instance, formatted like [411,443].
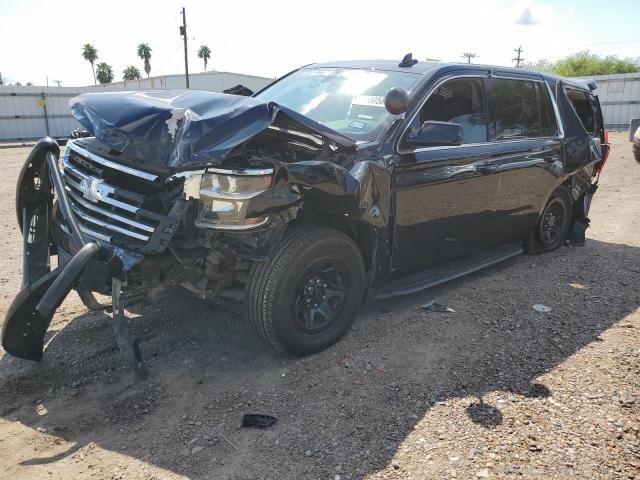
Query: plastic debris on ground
[254,420]
[437,307]
[539,307]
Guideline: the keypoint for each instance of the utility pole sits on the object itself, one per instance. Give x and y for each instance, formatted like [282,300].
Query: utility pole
[183,32]
[469,56]
[518,59]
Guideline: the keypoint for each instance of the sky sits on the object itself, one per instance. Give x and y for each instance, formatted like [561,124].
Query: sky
[40,39]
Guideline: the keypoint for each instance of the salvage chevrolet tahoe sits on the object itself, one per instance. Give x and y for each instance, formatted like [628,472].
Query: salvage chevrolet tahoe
[335,184]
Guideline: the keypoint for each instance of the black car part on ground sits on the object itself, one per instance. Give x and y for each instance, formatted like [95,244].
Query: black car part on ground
[256,420]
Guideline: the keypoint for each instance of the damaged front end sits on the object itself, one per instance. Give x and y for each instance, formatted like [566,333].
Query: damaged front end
[179,190]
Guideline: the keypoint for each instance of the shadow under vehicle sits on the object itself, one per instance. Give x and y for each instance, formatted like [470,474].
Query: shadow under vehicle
[335,184]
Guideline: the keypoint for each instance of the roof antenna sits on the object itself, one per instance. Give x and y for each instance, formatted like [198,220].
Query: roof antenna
[407,61]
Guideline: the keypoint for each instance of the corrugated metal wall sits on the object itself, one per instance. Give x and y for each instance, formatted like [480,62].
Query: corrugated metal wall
[620,99]
[22,110]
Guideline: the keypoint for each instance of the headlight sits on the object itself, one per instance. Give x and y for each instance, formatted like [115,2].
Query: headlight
[224,196]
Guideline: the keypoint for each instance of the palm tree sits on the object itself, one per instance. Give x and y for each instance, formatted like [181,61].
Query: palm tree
[105,73]
[90,54]
[204,53]
[144,52]
[131,73]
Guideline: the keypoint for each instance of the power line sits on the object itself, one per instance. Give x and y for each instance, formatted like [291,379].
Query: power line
[518,59]
[469,56]
[183,32]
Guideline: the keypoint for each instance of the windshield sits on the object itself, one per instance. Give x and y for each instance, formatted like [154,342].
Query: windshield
[349,101]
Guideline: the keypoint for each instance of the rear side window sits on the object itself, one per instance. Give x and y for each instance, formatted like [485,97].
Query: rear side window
[585,107]
[516,109]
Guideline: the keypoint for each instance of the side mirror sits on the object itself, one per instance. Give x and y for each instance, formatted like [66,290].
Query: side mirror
[434,133]
[396,101]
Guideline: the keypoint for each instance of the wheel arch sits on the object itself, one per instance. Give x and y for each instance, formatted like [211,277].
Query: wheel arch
[361,233]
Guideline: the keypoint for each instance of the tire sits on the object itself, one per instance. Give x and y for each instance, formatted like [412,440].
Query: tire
[313,265]
[554,223]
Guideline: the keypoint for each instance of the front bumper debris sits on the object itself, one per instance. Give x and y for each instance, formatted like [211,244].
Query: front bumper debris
[31,312]
[29,317]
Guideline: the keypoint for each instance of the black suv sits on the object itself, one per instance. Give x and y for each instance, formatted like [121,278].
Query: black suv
[337,183]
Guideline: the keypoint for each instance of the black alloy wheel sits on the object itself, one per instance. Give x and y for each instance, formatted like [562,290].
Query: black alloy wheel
[553,225]
[304,297]
[553,222]
[319,296]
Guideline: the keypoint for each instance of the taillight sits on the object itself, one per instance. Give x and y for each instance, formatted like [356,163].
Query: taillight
[605,154]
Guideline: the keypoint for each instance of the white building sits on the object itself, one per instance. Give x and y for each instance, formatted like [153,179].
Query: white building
[212,81]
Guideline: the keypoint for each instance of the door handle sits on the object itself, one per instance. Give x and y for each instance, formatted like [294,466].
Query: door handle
[486,169]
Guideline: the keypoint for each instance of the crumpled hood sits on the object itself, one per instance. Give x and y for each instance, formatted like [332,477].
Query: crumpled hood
[181,129]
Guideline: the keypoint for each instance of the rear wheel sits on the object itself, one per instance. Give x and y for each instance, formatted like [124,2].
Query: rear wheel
[304,298]
[553,226]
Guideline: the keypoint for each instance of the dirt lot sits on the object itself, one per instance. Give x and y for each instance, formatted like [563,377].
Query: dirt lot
[495,389]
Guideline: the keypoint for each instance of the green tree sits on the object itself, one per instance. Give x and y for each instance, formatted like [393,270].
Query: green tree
[1,80]
[144,52]
[543,65]
[585,64]
[205,54]
[104,73]
[90,54]
[131,73]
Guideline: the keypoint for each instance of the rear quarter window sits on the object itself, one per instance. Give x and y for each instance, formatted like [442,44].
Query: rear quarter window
[585,106]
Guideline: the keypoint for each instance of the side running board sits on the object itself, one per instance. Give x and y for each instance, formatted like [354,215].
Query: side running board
[444,273]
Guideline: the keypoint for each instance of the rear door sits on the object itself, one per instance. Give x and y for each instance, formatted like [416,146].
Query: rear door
[445,195]
[584,129]
[524,130]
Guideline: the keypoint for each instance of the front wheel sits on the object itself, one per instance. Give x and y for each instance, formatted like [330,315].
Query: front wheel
[553,227]
[305,296]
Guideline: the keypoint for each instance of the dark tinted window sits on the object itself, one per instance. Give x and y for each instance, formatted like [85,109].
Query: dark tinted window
[457,101]
[584,107]
[548,122]
[516,109]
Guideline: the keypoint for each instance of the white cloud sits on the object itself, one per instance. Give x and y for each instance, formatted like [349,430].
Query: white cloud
[526,18]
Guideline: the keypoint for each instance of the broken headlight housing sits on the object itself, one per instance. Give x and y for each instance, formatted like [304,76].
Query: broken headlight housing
[224,195]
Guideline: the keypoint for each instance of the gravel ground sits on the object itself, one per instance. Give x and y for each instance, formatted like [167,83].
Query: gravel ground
[494,390]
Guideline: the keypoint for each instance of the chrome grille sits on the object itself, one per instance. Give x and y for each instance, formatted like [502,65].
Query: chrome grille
[104,211]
